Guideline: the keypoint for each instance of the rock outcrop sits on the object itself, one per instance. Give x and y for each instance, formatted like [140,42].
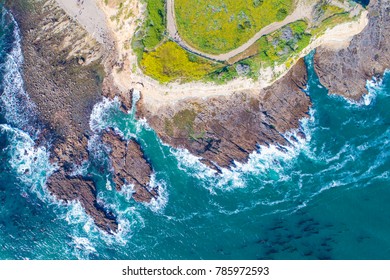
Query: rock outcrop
[346,71]
[67,188]
[222,130]
[129,166]
[64,74]
[65,77]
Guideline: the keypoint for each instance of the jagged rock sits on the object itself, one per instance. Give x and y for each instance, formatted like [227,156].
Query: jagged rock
[346,71]
[68,189]
[129,166]
[111,91]
[64,92]
[222,130]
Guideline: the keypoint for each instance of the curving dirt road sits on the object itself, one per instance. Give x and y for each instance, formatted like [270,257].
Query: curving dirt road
[303,10]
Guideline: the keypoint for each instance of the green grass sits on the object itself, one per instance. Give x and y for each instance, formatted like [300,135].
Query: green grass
[331,22]
[151,33]
[166,61]
[155,23]
[222,25]
[275,48]
[169,62]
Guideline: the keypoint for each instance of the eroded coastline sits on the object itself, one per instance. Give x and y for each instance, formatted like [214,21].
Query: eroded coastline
[221,130]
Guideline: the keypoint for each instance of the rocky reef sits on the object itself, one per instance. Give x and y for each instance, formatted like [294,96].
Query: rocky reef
[222,130]
[66,72]
[78,188]
[129,166]
[346,71]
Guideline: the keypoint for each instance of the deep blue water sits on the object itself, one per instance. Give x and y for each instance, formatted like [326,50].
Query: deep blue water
[325,198]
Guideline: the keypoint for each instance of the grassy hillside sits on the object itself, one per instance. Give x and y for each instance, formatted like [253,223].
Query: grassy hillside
[169,62]
[222,25]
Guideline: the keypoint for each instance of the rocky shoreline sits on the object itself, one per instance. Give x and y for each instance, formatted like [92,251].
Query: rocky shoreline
[346,71]
[222,130]
[67,72]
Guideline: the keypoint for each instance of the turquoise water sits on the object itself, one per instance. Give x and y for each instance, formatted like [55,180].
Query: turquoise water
[325,198]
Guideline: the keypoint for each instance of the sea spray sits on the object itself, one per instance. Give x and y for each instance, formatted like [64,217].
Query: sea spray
[31,163]
[102,114]
[18,109]
[260,161]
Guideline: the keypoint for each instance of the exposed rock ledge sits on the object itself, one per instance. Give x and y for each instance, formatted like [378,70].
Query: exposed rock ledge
[129,166]
[346,71]
[64,73]
[220,130]
[225,129]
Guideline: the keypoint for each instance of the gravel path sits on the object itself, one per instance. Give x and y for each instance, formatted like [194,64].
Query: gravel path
[303,10]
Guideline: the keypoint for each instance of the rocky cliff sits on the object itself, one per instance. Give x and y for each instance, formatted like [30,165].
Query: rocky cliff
[222,130]
[346,71]
[65,77]
[64,74]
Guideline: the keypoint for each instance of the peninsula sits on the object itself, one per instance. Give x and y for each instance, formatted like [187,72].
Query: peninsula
[214,87]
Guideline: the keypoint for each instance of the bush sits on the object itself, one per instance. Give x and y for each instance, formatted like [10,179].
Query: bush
[169,62]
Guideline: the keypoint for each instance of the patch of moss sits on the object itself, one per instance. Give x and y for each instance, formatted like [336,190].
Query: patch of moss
[168,127]
[184,120]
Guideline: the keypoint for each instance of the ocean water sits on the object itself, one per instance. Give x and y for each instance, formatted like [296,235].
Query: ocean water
[326,197]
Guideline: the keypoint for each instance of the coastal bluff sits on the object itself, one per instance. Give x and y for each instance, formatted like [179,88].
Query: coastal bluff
[347,70]
[67,72]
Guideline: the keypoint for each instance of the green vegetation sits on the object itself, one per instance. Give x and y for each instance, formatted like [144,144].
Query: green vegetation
[169,62]
[151,33]
[281,44]
[124,11]
[275,48]
[154,24]
[222,25]
[183,121]
[330,22]
[166,61]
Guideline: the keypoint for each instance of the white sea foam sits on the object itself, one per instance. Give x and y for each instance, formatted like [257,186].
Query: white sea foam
[142,124]
[158,204]
[260,161]
[373,86]
[127,192]
[135,99]
[186,161]
[108,184]
[80,169]
[97,149]
[30,162]
[129,219]
[83,247]
[99,119]
[17,106]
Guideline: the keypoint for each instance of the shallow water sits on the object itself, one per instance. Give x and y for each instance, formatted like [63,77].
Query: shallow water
[325,198]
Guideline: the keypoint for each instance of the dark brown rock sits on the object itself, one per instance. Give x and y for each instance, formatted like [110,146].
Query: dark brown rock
[129,166]
[346,71]
[111,91]
[64,91]
[69,188]
[226,129]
